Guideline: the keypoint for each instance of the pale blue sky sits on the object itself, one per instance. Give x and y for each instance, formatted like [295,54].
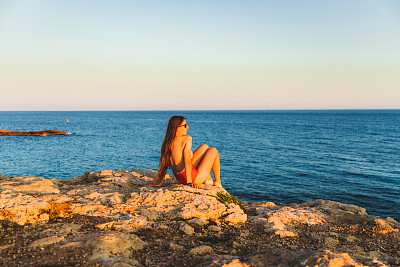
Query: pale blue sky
[180,55]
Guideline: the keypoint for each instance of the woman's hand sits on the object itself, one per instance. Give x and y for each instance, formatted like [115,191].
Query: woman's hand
[155,184]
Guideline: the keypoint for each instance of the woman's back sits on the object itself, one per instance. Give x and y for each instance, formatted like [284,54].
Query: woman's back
[177,158]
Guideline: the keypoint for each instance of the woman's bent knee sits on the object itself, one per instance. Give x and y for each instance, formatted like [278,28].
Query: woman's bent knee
[204,146]
[213,150]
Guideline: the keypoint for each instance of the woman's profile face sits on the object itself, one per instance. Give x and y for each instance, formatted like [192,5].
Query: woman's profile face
[182,128]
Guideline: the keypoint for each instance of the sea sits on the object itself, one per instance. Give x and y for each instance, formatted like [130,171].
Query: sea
[350,156]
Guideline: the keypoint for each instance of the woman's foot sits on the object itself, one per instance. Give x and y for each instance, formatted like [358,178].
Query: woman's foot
[218,184]
[209,181]
[195,186]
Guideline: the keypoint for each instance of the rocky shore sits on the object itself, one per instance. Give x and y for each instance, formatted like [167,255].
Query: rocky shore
[32,133]
[111,218]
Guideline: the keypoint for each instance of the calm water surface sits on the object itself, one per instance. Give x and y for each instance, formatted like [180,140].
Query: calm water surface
[280,156]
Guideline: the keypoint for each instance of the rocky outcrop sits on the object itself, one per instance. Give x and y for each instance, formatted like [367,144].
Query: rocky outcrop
[113,218]
[32,133]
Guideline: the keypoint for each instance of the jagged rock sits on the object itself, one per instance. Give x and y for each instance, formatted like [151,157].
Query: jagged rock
[187,229]
[278,220]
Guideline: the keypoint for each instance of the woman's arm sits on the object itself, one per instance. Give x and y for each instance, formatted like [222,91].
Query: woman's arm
[187,154]
[157,182]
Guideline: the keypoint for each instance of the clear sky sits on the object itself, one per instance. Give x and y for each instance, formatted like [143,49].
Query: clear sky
[199,55]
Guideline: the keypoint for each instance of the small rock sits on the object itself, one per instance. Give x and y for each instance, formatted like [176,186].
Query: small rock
[187,229]
[196,222]
[163,227]
[235,218]
[151,215]
[201,250]
[214,228]
[175,247]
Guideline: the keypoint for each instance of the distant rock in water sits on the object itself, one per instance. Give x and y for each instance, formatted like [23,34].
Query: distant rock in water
[32,133]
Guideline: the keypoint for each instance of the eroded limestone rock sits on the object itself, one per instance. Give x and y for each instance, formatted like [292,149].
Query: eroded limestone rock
[278,220]
[114,246]
[122,207]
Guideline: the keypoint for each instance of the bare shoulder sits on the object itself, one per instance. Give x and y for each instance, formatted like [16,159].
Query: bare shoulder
[187,140]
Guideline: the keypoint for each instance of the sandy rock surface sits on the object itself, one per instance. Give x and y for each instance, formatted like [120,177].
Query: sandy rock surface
[113,218]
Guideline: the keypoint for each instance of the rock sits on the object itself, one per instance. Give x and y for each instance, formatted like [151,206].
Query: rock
[114,246]
[30,185]
[196,222]
[106,215]
[151,215]
[235,218]
[201,250]
[173,246]
[187,229]
[22,209]
[106,173]
[329,258]
[277,221]
[33,133]
[383,227]
[222,260]
[214,228]
[335,207]
[46,241]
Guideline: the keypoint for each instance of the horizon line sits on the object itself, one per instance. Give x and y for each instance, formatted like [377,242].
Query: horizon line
[212,110]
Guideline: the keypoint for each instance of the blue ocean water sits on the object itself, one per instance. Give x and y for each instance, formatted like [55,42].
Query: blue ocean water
[351,156]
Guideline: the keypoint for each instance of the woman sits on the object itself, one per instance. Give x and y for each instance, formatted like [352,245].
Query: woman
[188,167]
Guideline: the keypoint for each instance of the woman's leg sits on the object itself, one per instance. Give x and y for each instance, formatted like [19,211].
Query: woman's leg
[197,157]
[209,162]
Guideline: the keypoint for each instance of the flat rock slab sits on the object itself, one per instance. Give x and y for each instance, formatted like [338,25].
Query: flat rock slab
[112,218]
[32,133]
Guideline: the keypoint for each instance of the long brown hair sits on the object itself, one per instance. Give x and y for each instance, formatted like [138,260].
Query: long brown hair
[165,158]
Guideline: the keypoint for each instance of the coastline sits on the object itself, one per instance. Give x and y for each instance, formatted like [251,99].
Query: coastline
[113,219]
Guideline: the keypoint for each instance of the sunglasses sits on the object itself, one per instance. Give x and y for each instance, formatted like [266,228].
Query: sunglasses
[184,125]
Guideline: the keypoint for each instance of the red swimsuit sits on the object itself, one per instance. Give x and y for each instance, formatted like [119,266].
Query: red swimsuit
[181,177]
